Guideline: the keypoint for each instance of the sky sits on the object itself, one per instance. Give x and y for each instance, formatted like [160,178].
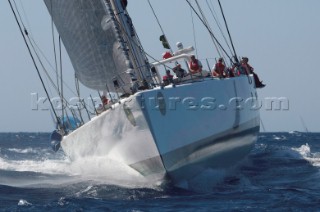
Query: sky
[281,39]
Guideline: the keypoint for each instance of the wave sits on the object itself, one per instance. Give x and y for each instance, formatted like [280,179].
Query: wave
[23,202]
[38,166]
[45,166]
[23,151]
[305,152]
[279,137]
[102,170]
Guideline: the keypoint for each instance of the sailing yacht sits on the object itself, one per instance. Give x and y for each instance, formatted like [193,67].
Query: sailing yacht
[195,123]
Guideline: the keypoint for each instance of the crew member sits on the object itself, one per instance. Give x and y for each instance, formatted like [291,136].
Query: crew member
[249,70]
[168,78]
[195,65]
[219,69]
[180,72]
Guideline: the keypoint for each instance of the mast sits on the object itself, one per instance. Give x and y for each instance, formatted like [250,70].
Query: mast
[132,43]
[304,124]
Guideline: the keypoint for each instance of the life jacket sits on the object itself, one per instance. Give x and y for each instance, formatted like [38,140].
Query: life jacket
[104,100]
[219,68]
[166,55]
[166,77]
[194,65]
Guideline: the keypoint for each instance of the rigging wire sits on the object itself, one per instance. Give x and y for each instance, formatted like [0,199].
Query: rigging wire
[155,15]
[225,21]
[33,44]
[207,24]
[209,30]
[44,69]
[36,49]
[54,47]
[28,36]
[133,42]
[61,81]
[31,37]
[24,13]
[77,85]
[215,17]
[194,32]
[33,60]
[135,60]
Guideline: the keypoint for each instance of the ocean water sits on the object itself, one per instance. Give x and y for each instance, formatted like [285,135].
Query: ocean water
[281,174]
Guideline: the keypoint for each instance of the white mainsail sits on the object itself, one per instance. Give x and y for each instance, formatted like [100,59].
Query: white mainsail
[92,39]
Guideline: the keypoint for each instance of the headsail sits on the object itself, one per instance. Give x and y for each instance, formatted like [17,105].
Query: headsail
[92,39]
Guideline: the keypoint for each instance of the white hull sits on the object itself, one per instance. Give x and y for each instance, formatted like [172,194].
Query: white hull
[175,139]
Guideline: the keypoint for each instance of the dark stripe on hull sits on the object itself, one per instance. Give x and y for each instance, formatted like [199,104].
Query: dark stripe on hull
[219,151]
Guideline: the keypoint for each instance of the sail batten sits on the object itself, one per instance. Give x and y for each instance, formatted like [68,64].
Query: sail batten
[89,33]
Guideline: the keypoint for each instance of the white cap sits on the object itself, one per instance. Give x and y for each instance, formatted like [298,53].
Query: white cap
[179,45]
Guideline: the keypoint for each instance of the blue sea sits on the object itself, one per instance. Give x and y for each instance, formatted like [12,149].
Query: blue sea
[280,174]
